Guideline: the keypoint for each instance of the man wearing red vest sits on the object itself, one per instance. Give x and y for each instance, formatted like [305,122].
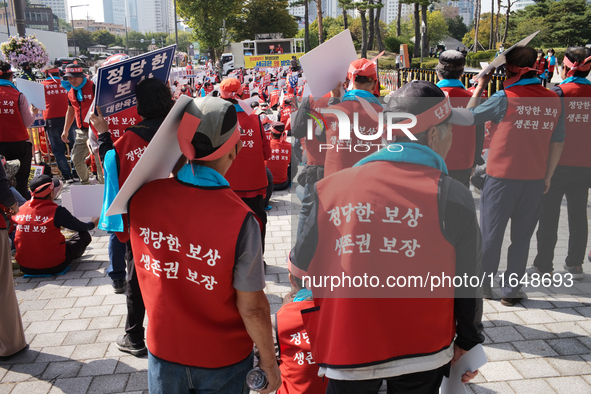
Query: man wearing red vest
[202,284]
[410,219]
[56,100]
[15,117]
[40,246]
[80,96]
[363,78]
[541,65]
[527,140]
[573,173]
[299,372]
[280,161]
[466,146]
[119,159]
[248,175]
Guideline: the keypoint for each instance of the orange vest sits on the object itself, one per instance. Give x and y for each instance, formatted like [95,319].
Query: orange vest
[12,128]
[248,173]
[577,103]
[520,143]
[39,244]
[299,372]
[463,145]
[186,272]
[386,224]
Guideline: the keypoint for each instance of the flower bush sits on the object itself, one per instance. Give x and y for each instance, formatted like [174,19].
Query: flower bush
[18,50]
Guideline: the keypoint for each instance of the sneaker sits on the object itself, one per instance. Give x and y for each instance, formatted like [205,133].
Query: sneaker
[75,178]
[576,271]
[119,286]
[534,270]
[69,180]
[124,344]
[511,301]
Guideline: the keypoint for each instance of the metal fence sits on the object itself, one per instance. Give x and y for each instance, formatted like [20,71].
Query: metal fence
[393,79]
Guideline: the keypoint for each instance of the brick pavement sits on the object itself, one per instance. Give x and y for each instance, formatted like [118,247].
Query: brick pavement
[71,321]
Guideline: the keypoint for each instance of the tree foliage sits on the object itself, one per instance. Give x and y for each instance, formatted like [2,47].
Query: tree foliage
[457,28]
[83,38]
[264,16]
[103,37]
[185,39]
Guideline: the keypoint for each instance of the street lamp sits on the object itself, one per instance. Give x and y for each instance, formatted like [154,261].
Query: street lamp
[72,22]
[423,31]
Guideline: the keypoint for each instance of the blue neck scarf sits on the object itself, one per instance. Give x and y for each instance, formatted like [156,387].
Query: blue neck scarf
[303,295]
[411,153]
[6,82]
[450,83]
[526,81]
[579,80]
[67,85]
[201,176]
[352,95]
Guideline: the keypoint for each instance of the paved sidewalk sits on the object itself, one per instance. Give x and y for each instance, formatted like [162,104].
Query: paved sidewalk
[71,321]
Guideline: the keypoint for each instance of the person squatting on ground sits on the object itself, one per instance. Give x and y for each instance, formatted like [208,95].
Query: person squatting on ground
[15,117]
[572,176]
[413,219]
[12,334]
[204,292]
[520,164]
[41,248]
[153,104]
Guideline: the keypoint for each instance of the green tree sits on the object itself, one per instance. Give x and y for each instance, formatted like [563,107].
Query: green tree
[103,37]
[438,28]
[63,26]
[265,16]
[134,40]
[206,18]
[457,28]
[159,37]
[185,39]
[82,37]
[568,22]
[346,5]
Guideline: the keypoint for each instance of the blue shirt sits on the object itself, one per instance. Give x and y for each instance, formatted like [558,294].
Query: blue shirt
[495,109]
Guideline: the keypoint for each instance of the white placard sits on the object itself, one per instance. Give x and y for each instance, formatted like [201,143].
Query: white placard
[33,91]
[500,60]
[281,83]
[484,65]
[327,64]
[86,200]
[470,361]
[158,160]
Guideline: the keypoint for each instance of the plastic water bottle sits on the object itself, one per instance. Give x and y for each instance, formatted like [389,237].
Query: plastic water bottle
[256,379]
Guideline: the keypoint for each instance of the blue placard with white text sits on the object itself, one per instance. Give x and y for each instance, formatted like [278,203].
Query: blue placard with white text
[116,83]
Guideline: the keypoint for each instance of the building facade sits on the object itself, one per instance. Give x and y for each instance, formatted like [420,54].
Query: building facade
[92,26]
[37,17]
[155,16]
[114,12]
[59,8]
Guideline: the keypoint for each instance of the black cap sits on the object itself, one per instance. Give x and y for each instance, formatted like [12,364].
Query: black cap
[42,185]
[452,60]
[73,71]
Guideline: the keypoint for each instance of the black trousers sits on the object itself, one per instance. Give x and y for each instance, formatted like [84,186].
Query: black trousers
[257,204]
[23,152]
[463,176]
[75,248]
[134,324]
[574,183]
[426,382]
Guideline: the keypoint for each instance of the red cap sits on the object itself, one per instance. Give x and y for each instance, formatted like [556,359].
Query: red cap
[230,87]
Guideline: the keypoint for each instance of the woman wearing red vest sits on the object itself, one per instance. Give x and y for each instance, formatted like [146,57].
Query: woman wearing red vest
[467,142]
[542,66]
[527,140]
[56,100]
[12,334]
[573,173]
[40,246]
[395,214]
[203,284]
[299,372]
[80,96]
[119,159]
[15,117]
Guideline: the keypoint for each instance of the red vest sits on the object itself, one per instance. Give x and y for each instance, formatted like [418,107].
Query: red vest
[119,122]
[274,100]
[315,156]
[520,143]
[248,173]
[279,160]
[39,244]
[463,146]
[188,270]
[392,230]
[540,65]
[12,128]
[56,100]
[245,91]
[285,112]
[577,103]
[299,372]
[81,109]
[130,148]
[339,157]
